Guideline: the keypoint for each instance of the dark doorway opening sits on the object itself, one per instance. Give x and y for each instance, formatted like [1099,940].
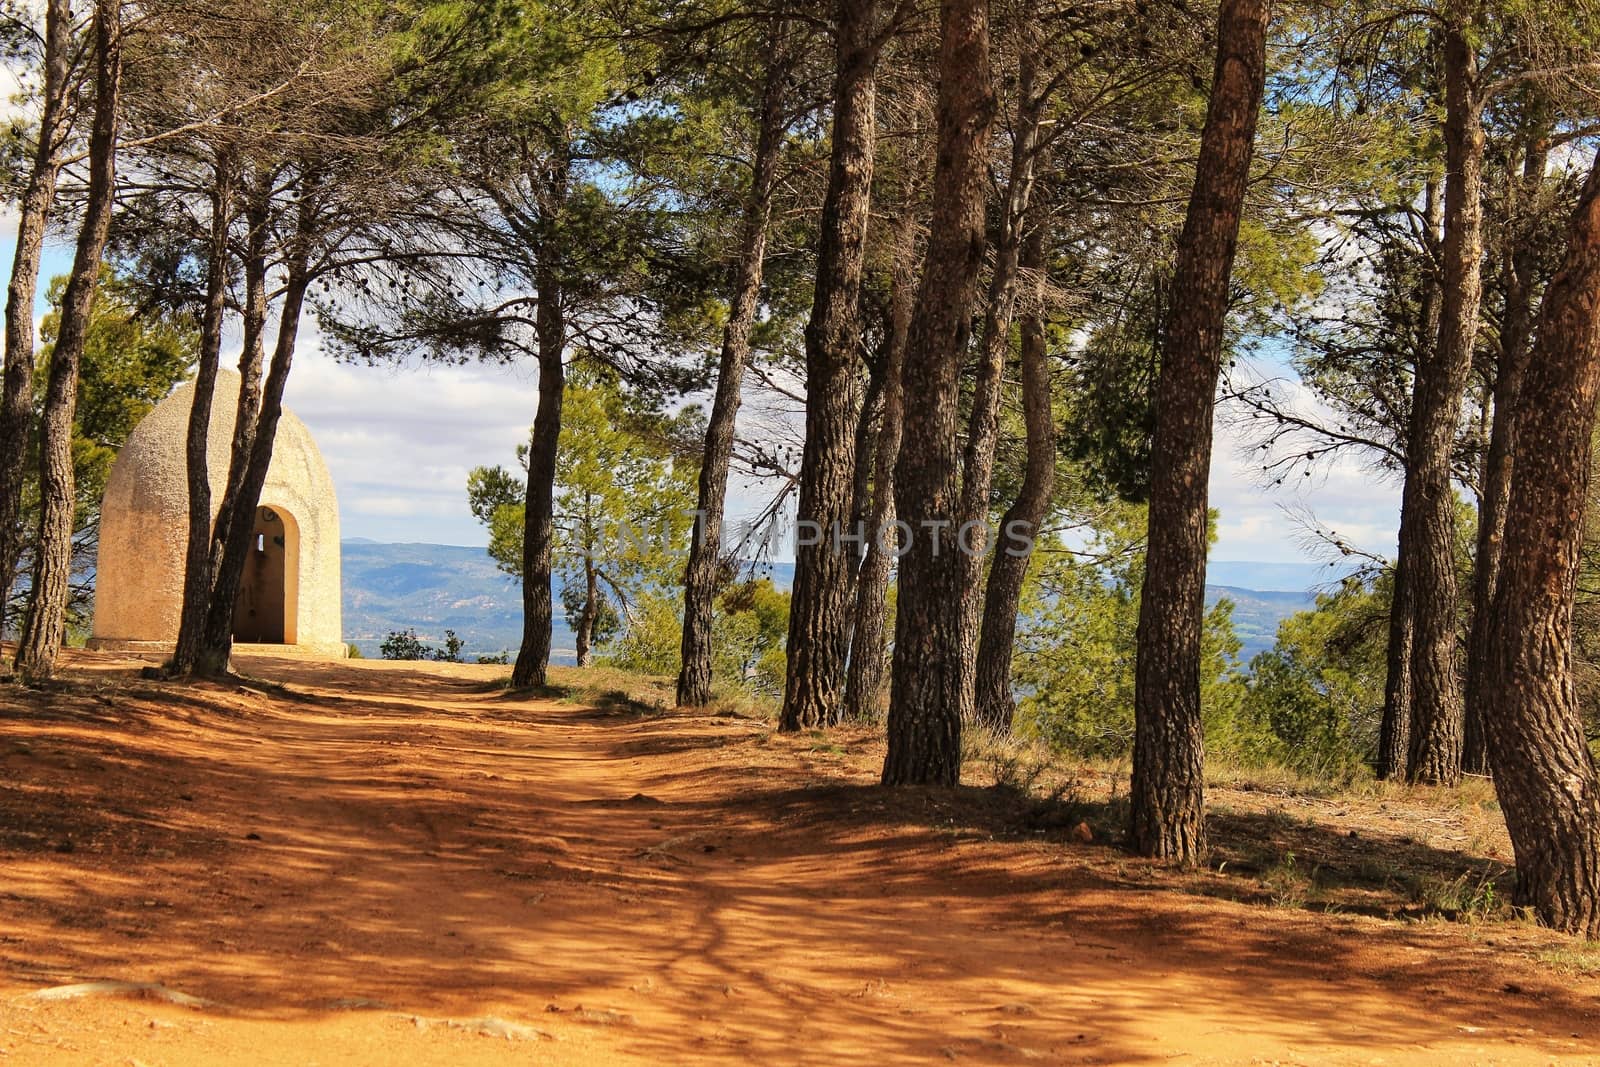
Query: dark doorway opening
[260,614]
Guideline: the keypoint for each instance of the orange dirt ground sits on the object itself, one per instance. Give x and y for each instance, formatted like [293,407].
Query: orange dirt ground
[402,864]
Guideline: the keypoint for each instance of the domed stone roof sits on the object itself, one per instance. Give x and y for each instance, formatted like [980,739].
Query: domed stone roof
[144,526]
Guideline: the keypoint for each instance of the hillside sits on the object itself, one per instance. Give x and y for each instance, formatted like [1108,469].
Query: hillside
[457,587]
[1257,613]
[433,588]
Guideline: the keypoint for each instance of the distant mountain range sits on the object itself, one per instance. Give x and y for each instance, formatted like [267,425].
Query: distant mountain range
[434,588]
[1264,594]
[1257,612]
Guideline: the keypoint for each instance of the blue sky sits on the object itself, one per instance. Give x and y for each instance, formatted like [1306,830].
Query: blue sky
[400,441]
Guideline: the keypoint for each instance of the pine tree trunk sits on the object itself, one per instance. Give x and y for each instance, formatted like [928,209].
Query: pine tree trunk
[197,557]
[1543,772]
[1168,785]
[701,576]
[1516,324]
[983,426]
[33,214]
[995,704]
[864,679]
[1436,705]
[45,625]
[853,542]
[591,608]
[928,670]
[247,411]
[538,529]
[1394,732]
[819,605]
[248,472]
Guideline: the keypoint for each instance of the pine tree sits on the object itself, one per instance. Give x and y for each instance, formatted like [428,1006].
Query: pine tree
[1167,815]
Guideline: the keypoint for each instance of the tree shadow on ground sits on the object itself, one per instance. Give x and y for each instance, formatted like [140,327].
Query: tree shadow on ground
[394,838]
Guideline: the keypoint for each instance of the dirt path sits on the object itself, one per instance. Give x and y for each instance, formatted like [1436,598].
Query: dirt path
[399,864]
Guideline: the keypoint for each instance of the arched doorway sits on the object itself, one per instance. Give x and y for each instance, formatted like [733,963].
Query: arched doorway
[265,612]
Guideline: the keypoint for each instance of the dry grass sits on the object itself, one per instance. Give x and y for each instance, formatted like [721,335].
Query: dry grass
[1283,839]
[611,688]
[1580,959]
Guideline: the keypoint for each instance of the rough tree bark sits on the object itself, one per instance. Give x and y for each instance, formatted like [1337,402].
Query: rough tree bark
[705,550]
[869,428]
[819,606]
[1167,793]
[1394,731]
[995,706]
[1516,326]
[584,638]
[869,635]
[248,472]
[925,699]
[45,625]
[197,556]
[983,425]
[1428,499]
[33,215]
[252,354]
[538,529]
[1543,772]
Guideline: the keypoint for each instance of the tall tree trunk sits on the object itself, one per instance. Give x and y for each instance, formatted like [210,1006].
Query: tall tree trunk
[705,550]
[819,605]
[591,609]
[1430,559]
[1543,772]
[983,426]
[538,529]
[853,542]
[1168,786]
[1515,333]
[244,491]
[925,701]
[33,214]
[864,680]
[247,410]
[1394,731]
[995,704]
[45,626]
[197,557]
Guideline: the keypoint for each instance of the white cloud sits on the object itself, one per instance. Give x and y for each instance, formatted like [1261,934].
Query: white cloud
[378,505]
[400,440]
[1344,492]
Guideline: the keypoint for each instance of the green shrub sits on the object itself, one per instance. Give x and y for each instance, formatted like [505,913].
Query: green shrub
[406,645]
[1318,693]
[403,645]
[747,636]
